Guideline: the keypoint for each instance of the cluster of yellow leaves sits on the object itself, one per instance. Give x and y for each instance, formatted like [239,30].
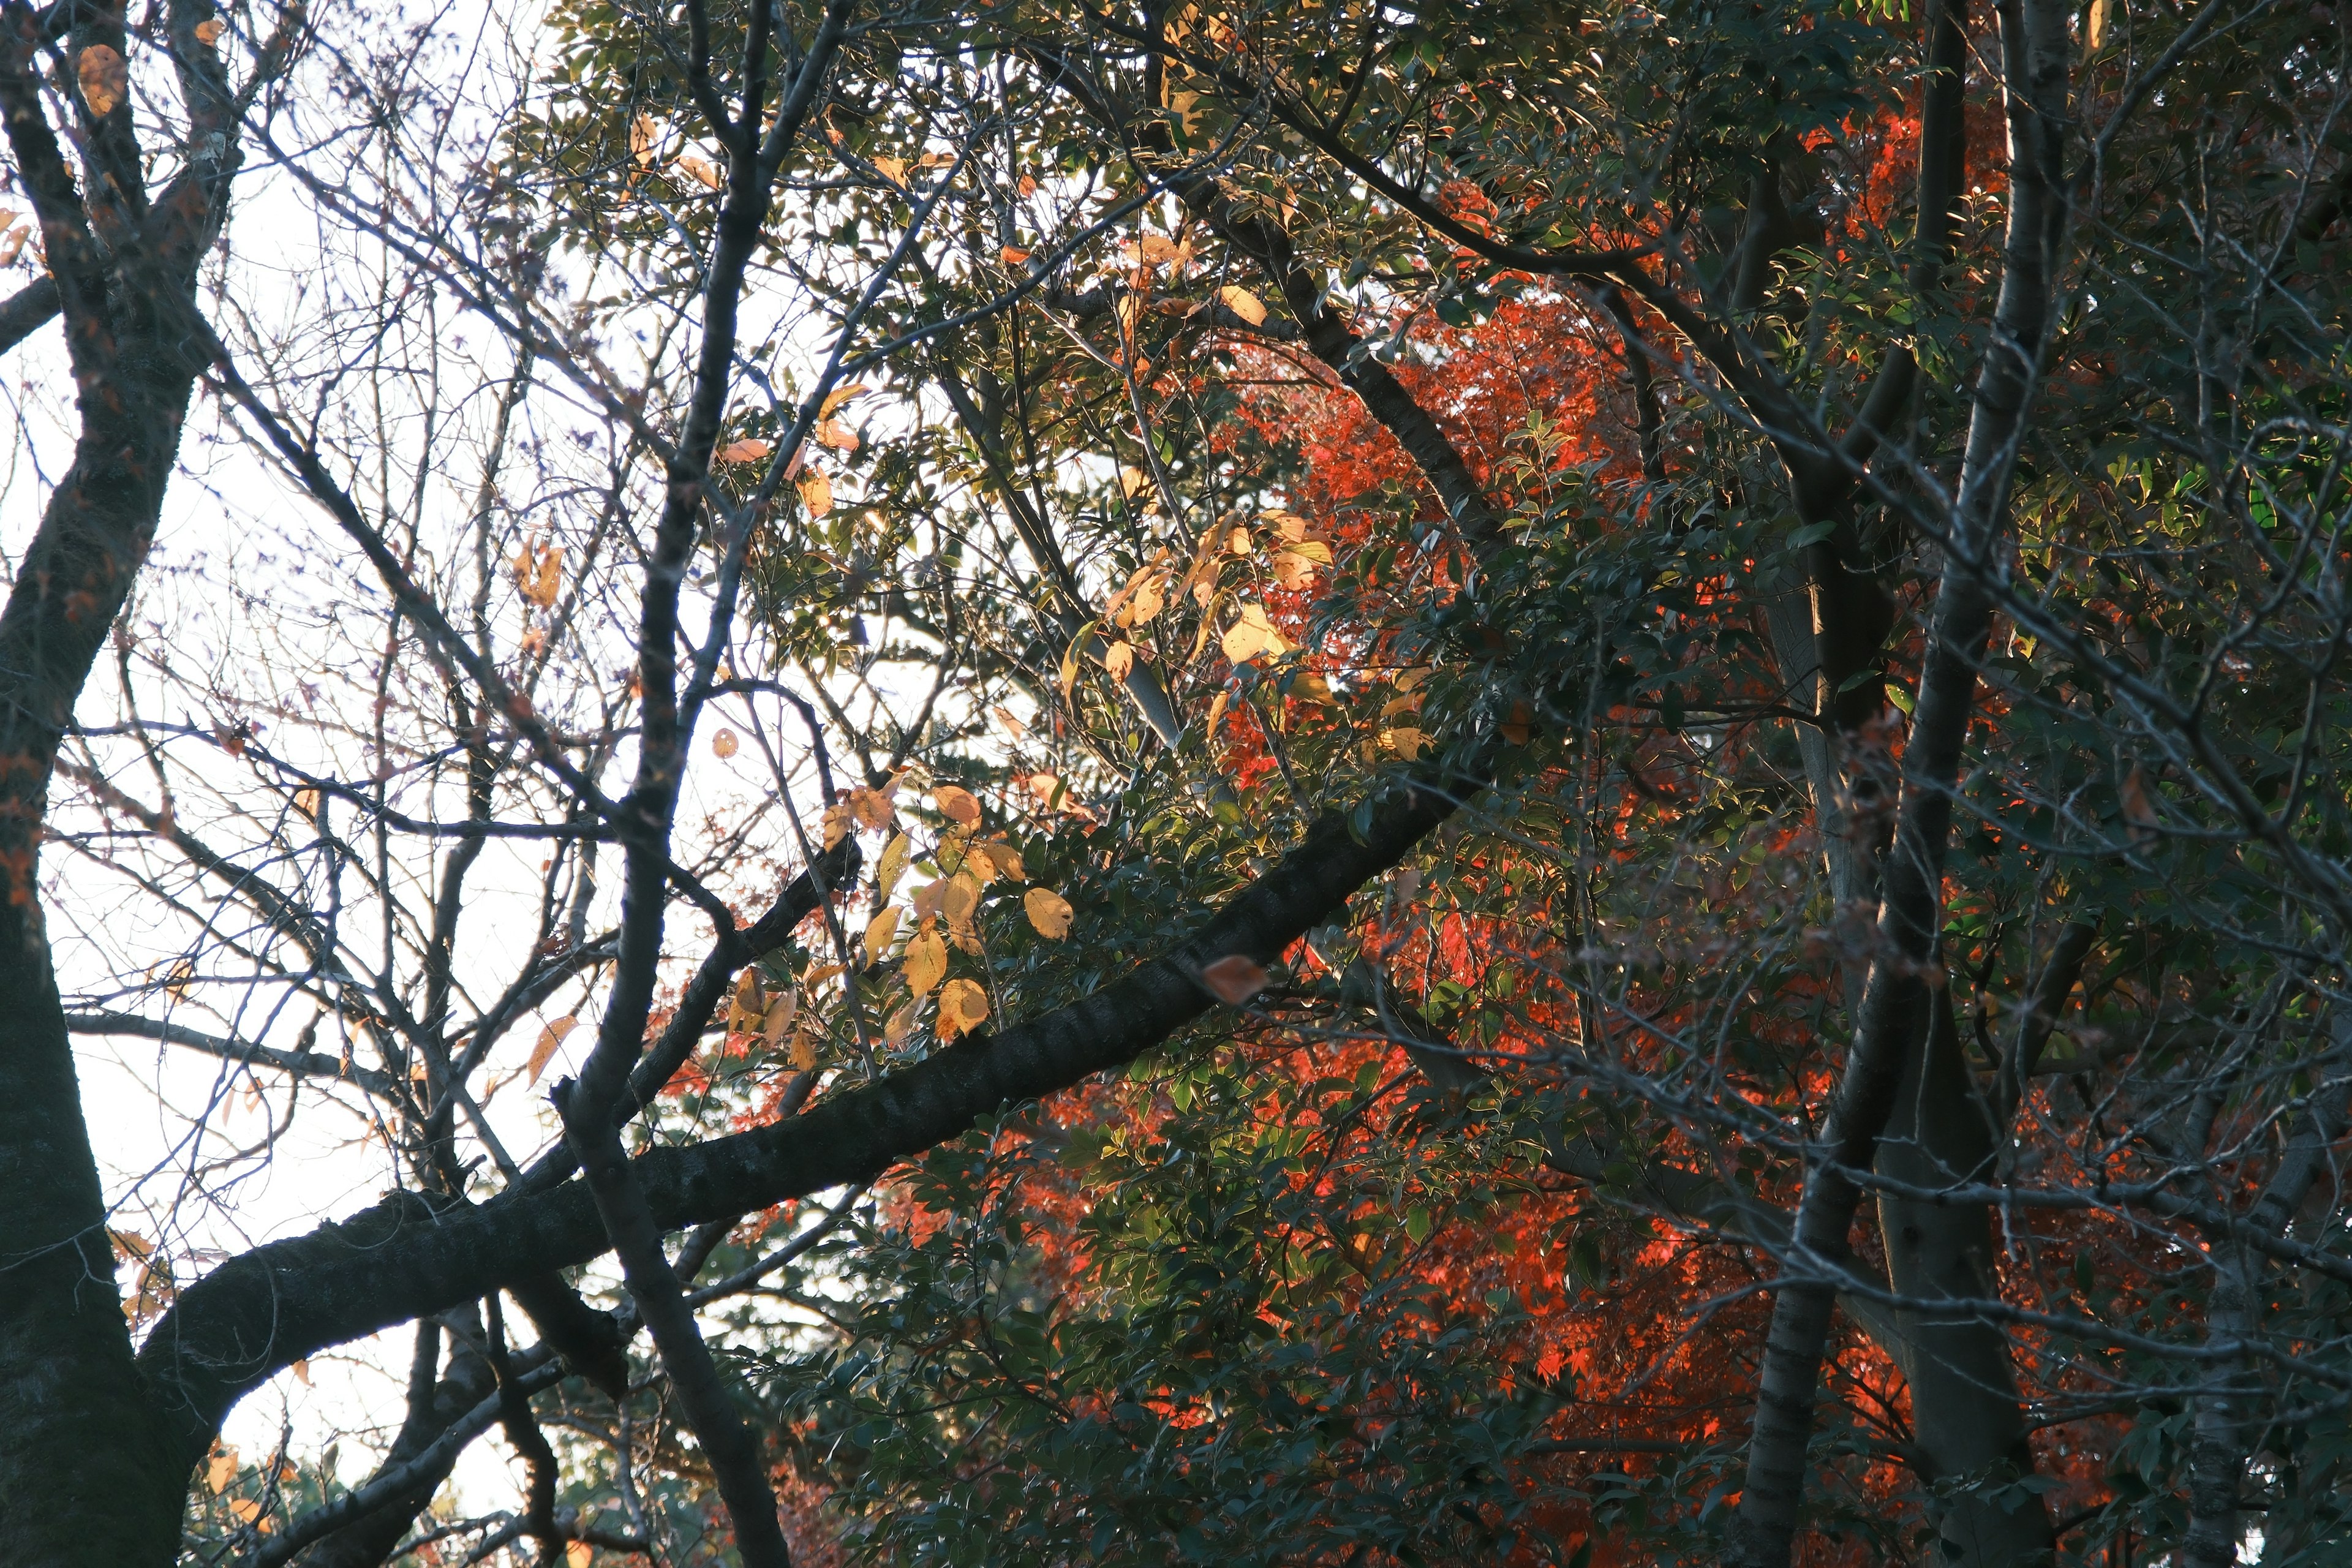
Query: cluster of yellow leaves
[1252,636]
[1407,741]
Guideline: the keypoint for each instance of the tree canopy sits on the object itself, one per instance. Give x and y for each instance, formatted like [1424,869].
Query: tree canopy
[1328,782]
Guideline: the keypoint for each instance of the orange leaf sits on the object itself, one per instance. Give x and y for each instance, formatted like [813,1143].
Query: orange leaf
[723,743]
[1233,979]
[957,804]
[105,79]
[544,1051]
[1048,912]
[963,1007]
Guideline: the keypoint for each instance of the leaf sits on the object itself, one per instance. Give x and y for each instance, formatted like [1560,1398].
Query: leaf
[723,743]
[579,1554]
[14,243]
[780,1016]
[879,931]
[839,395]
[245,1508]
[963,1007]
[541,1053]
[642,134]
[804,1054]
[1012,727]
[900,1024]
[1405,741]
[1070,671]
[1013,257]
[546,584]
[308,800]
[815,492]
[1243,303]
[1119,658]
[105,79]
[1519,726]
[1133,482]
[209,30]
[701,170]
[890,867]
[832,433]
[892,169]
[1157,250]
[302,1370]
[220,1469]
[1252,636]
[1233,979]
[750,449]
[1048,912]
[957,804]
[1294,565]
[926,961]
[1217,706]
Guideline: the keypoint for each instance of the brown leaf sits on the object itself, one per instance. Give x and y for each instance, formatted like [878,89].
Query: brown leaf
[724,744]
[209,30]
[701,170]
[957,804]
[1233,979]
[105,79]
[750,449]
[307,802]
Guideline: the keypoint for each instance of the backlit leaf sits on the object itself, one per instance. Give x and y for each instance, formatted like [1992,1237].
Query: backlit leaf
[927,962]
[1048,912]
[963,1007]
[544,1051]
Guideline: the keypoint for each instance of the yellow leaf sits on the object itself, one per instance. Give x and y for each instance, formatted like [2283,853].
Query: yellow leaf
[1233,979]
[780,1016]
[926,900]
[209,30]
[220,1469]
[1217,712]
[1406,743]
[892,169]
[1158,250]
[105,79]
[1048,912]
[1310,686]
[957,804]
[1252,636]
[839,395]
[2094,32]
[1294,565]
[549,1038]
[723,743]
[1238,542]
[874,808]
[1133,482]
[879,931]
[1241,303]
[1118,658]
[960,899]
[1069,668]
[816,492]
[963,1007]
[803,1049]
[245,1508]
[892,866]
[927,963]
[817,975]
[750,449]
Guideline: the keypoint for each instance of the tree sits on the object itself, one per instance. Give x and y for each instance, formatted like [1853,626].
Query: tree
[1645,594]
